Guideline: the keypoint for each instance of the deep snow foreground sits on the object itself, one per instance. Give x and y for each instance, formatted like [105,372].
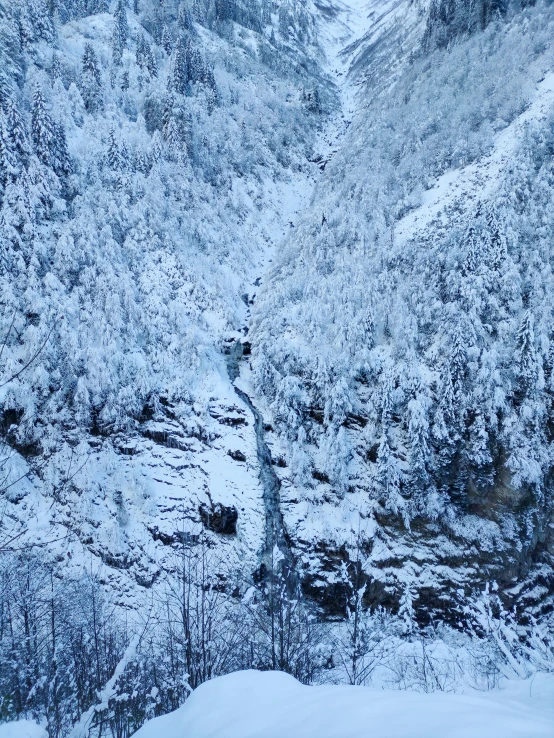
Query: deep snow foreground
[22,729]
[253,704]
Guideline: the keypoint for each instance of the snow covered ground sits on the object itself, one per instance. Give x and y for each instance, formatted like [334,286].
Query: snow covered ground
[252,704]
[21,729]
[482,178]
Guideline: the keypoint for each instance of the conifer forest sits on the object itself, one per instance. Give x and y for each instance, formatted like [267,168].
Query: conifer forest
[276,366]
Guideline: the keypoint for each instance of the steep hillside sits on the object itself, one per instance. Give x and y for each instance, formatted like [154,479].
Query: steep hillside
[403,343]
[141,148]
[277,348]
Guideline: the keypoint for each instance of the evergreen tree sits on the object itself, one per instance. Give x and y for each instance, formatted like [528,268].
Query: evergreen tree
[17,131]
[472,259]
[185,20]
[120,32]
[167,41]
[139,53]
[156,148]
[527,363]
[42,22]
[125,157]
[24,27]
[387,390]
[418,432]
[97,6]
[406,611]
[114,154]
[10,50]
[497,247]
[369,330]
[188,66]
[6,90]
[117,48]
[43,132]
[173,139]
[225,10]
[145,58]
[458,369]
[91,81]
[55,68]
[121,23]
[8,160]
[61,161]
[446,425]
[390,480]
[479,456]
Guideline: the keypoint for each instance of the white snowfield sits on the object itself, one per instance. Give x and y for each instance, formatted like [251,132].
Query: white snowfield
[22,729]
[480,179]
[252,704]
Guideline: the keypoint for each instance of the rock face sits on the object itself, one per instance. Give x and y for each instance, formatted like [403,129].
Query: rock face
[219,518]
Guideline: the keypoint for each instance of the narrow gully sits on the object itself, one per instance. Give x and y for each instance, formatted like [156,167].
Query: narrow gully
[277,559]
[276,556]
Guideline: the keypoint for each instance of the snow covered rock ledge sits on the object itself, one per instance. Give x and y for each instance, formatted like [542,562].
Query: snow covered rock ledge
[253,704]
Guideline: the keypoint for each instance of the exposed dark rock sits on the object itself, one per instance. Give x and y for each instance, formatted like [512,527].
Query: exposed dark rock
[320,476]
[316,413]
[172,539]
[115,561]
[232,421]
[146,580]
[126,447]
[219,518]
[353,420]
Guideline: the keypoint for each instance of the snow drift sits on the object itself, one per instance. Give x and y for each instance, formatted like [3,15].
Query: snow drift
[252,704]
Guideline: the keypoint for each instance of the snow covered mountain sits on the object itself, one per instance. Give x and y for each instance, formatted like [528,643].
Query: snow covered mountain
[140,151]
[403,342]
[276,291]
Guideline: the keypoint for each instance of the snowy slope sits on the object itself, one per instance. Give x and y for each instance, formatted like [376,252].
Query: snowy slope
[276,289]
[272,705]
[129,495]
[388,311]
[174,296]
[481,180]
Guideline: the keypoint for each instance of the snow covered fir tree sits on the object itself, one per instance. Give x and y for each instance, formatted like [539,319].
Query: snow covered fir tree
[276,363]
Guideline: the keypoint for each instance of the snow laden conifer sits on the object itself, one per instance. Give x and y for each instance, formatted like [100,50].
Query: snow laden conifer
[406,612]
[145,58]
[185,19]
[479,455]
[166,40]
[48,137]
[8,160]
[43,132]
[113,153]
[91,80]
[120,32]
[390,481]
[528,369]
